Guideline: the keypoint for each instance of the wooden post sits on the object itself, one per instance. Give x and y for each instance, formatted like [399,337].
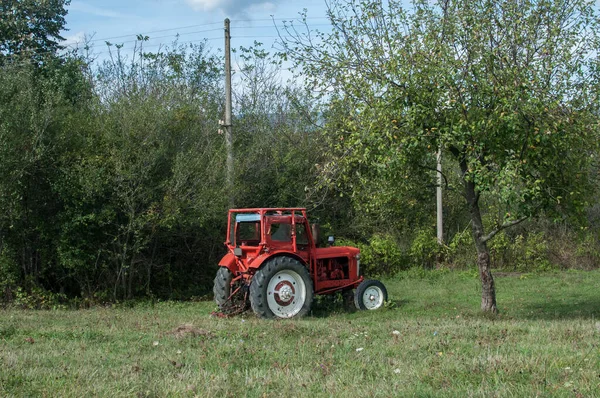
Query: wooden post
[227,124]
[440,215]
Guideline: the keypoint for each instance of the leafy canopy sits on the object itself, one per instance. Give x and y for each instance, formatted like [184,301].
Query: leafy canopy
[31,26]
[508,88]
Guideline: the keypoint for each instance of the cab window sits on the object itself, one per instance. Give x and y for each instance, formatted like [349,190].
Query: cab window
[249,232]
[247,229]
[301,235]
[280,232]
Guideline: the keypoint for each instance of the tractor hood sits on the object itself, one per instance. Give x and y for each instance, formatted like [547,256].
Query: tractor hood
[337,251]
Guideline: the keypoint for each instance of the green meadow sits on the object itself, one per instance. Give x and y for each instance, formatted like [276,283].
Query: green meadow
[430,340]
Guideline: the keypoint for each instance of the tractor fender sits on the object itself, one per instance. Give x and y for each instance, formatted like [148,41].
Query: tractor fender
[228,261]
[263,258]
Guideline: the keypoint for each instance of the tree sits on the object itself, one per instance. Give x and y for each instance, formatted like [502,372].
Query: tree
[148,181]
[31,27]
[508,89]
[39,113]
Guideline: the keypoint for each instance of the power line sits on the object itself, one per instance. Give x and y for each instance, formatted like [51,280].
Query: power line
[152,45]
[123,49]
[153,31]
[208,24]
[174,35]
[202,31]
[76,46]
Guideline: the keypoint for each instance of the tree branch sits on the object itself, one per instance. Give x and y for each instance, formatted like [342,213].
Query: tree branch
[503,227]
[446,184]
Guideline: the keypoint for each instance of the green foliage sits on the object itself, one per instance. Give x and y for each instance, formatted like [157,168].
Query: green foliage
[380,255]
[587,249]
[31,27]
[508,90]
[530,254]
[276,142]
[35,111]
[111,175]
[9,274]
[425,249]
[460,248]
[451,75]
[39,299]
[153,173]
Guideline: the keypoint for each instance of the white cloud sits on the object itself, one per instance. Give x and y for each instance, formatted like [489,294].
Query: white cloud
[208,5]
[232,7]
[266,6]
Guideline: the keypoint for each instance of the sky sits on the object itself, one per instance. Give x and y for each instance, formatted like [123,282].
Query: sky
[119,21]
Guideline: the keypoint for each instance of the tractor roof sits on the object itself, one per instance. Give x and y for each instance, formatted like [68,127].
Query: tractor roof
[268,209]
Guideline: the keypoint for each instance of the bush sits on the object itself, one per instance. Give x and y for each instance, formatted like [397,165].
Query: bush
[460,250]
[587,251]
[381,255]
[39,299]
[522,253]
[9,275]
[425,249]
[530,253]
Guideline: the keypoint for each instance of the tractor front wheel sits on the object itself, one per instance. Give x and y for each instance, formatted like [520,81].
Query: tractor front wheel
[282,288]
[370,295]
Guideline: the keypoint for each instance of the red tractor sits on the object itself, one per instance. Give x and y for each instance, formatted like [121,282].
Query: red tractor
[274,263]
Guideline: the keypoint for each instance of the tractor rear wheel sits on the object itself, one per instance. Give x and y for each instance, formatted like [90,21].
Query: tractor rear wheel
[222,287]
[282,288]
[370,295]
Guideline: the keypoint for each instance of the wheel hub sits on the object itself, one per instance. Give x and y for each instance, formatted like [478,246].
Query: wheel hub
[284,293]
[373,298]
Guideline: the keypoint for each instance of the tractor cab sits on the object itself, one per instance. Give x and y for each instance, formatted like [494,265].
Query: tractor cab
[255,232]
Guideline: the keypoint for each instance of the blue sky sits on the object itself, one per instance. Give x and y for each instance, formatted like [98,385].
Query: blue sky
[194,20]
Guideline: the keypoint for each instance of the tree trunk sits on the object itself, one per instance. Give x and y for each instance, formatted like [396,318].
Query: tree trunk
[488,289]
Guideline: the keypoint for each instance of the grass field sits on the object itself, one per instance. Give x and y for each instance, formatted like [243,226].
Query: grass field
[432,341]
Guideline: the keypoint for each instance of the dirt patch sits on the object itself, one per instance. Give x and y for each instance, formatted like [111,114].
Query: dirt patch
[189,330]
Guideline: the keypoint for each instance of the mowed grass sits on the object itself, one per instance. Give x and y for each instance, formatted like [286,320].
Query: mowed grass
[432,341]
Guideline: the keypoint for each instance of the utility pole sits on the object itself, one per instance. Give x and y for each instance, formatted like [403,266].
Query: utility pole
[440,216]
[227,124]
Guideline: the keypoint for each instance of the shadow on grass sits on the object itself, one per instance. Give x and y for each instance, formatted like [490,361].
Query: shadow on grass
[399,303]
[559,308]
[327,306]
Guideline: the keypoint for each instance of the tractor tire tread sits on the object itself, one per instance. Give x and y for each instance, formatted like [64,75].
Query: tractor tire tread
[221,288]
[261,278]
[361,289]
